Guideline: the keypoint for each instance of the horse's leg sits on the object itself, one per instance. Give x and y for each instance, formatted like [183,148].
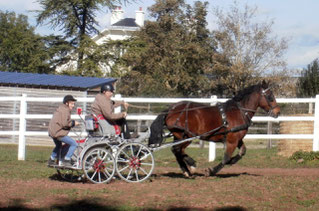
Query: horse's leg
[190,162]
[186,163]
[177,151]
[227,157]
[242,151]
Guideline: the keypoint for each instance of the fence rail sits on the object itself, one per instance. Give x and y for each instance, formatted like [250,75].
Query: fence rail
[23,116]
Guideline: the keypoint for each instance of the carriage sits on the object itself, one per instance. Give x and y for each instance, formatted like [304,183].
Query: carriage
[100,159]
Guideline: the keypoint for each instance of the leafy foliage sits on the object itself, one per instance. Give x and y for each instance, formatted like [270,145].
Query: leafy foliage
[76,18]
[169,56]
[247,51]
[305,156]
[308,84]
[21,49]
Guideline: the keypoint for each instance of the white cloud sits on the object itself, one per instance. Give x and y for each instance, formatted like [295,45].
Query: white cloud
[19,6]
[300,57]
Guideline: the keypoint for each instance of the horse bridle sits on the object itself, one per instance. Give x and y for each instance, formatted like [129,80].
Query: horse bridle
[264,93]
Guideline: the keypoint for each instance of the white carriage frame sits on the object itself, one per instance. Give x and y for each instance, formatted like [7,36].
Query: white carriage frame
[213,100]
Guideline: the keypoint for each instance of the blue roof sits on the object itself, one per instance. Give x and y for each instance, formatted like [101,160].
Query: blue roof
[52,81]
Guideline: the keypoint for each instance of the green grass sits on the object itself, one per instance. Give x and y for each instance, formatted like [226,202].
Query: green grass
[36,159]
[283,192]
[257,158]
[33,167]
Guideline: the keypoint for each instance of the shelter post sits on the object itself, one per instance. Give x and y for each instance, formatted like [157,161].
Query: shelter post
[22,127]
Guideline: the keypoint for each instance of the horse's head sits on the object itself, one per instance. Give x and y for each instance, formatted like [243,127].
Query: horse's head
[268,101]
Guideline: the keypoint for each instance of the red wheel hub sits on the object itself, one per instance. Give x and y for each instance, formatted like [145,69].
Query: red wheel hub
[135,162]
[98,165]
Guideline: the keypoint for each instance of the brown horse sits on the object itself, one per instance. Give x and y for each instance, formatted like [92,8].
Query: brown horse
[226,122]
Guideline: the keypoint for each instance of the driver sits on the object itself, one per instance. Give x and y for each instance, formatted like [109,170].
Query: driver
[103,109]
[59,127]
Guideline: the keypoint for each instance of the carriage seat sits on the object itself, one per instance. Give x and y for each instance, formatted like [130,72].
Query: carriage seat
[92,126]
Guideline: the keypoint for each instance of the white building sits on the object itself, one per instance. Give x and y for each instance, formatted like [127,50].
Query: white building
[120,28]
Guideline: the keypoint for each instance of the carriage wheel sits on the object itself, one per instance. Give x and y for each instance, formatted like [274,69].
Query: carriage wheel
[70,175]
[99,165]
[134,162]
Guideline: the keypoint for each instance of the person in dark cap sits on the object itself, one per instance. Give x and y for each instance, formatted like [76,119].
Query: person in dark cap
[103,109]
[59,127]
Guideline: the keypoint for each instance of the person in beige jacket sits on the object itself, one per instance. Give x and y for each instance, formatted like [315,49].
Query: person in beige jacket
[103,109]
[59,127]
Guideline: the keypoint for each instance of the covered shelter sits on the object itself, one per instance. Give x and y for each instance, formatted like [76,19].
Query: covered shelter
[36,81]
[14,84]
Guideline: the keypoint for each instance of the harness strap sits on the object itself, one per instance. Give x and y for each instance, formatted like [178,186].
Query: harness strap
[184,129]
[245,126]
[215,131]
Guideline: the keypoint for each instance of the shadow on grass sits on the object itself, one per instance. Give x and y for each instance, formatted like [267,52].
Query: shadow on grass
[83,205]
[219,175]
[227,175]
[179,175]
[93,204]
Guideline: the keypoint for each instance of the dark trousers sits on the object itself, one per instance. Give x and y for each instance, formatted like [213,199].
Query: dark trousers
[124,127]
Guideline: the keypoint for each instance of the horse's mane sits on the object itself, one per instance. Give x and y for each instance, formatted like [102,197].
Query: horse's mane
[240,96]
[245,92]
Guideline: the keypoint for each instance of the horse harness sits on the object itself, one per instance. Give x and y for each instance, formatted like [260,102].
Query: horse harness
[221,107]
[215,131]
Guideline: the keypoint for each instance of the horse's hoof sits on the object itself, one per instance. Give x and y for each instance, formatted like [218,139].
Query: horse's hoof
[186,174]
[192,169]
[208,172]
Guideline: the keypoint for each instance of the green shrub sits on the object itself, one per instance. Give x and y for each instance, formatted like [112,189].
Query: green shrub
[305,156]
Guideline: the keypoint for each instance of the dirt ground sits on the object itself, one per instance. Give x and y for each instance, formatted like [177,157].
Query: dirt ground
[234,188]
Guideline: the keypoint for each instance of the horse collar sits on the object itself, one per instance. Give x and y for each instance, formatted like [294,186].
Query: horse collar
[223,114]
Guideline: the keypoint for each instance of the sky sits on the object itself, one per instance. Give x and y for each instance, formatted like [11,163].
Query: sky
[293,19]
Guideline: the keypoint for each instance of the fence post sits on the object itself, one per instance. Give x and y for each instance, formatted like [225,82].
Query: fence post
[212,145]
[22,127]
[315,142]
[269,131]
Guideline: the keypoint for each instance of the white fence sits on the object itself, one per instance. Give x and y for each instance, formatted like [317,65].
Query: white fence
[23,116]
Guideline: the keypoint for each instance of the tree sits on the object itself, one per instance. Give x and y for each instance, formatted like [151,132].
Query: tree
[21,49]
[308,83]
[247,51]
[77,20]
[170,55]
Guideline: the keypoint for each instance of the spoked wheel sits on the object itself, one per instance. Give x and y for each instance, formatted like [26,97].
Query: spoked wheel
[70,175]
[99,165]
[134,162]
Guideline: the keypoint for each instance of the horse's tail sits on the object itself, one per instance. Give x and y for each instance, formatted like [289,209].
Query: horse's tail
[157,127]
